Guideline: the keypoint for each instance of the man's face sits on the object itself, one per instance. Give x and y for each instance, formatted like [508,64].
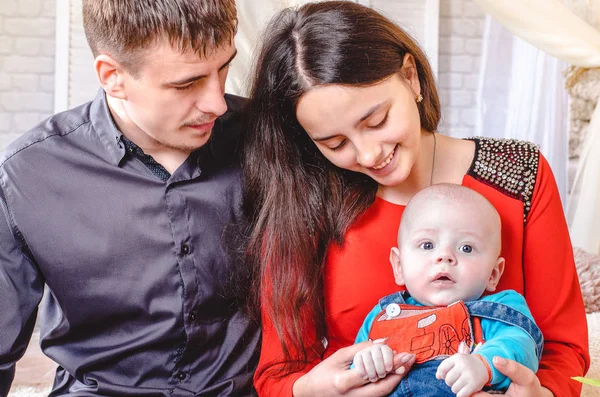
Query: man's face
[175,98]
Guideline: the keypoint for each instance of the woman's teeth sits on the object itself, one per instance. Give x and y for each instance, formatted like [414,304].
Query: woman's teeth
[386,161]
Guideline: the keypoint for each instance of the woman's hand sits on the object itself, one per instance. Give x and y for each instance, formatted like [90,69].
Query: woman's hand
[524,382]
[332,377]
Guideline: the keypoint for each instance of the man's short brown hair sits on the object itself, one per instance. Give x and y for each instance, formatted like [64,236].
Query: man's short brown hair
[123,28]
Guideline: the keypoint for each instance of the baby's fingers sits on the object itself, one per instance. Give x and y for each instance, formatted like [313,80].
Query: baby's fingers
[461,388]
[452,376]
[359,365]
[388,358]
[368,365]
[444,367]
[377,355]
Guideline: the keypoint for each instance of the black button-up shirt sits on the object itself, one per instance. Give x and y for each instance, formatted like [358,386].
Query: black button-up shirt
[137,266]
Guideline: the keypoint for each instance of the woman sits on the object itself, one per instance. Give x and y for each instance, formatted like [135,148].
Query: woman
[342,133]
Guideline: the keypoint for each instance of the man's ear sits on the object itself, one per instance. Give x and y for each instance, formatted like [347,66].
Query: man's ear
[496,274]
[396,266]
[111,76]
[410,74]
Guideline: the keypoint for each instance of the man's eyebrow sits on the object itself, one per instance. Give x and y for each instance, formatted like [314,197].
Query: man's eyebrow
[191,79]
[363,118]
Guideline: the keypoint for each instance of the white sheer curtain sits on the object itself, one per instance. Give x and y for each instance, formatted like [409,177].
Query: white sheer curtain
[521,95]
[253,17]
[551,27]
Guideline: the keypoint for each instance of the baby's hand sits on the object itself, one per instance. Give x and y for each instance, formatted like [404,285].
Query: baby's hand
[374,362]
[464,373]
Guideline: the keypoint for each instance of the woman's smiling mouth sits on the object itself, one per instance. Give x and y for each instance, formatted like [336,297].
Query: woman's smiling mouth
[386,161]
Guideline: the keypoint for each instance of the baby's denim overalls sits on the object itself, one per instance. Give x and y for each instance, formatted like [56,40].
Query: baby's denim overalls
[420,381]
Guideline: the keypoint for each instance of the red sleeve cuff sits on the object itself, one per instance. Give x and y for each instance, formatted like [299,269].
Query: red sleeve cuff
[487,366]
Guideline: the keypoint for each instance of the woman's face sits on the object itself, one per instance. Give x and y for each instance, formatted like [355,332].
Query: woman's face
[374,130]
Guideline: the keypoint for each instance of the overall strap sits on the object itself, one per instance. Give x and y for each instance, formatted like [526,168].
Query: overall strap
[506,314]
[396,297]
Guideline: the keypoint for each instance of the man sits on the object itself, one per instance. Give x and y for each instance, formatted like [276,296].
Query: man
[120,208]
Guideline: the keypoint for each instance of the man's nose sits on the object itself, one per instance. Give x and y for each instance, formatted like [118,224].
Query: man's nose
[212,98]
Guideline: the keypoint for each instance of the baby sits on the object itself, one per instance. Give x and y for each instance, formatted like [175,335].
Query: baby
[448,255]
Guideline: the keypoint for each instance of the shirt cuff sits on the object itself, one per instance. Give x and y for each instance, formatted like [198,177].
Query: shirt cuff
[488,367]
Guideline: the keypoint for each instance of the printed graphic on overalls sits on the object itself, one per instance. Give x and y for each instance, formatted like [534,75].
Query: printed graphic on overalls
[427,332]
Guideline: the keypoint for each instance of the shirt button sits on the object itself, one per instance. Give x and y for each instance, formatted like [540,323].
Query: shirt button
[180,375]
[185,249]
[392,310]
[192,316]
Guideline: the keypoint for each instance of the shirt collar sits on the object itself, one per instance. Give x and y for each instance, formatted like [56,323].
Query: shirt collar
[106,129]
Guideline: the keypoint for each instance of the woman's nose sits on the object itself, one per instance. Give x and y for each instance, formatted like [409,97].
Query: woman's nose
[368,154]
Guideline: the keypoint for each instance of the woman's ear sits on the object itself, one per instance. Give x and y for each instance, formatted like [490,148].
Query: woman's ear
[496,274]
[410,74]
[396,265]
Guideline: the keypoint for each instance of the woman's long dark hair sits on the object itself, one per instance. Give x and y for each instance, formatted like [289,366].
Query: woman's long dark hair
[297,202]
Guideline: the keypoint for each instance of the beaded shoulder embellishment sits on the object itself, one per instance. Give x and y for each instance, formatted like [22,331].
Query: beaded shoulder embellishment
[508,165]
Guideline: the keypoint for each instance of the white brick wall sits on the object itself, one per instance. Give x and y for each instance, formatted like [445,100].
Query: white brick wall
[26,65]
[461,33]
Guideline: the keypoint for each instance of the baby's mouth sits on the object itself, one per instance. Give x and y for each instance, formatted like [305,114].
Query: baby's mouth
[443,278]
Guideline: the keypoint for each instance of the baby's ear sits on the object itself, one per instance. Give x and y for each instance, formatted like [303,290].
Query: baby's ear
[496,274]
[396,266]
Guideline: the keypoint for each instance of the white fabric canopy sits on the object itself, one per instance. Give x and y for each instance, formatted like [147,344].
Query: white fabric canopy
[553,28]
[522,96]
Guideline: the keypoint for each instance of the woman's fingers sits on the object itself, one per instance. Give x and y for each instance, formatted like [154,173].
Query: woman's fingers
[518,374]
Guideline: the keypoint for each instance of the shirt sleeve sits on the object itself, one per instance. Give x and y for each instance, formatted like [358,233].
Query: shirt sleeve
[363,332]
[269,380]
[21,288]
[507,341]
[552,289]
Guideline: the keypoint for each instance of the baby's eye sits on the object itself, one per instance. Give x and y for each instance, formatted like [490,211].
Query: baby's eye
[466,248]
[428,245]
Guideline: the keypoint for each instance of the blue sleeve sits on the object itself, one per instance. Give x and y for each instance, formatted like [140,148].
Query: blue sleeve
[507,341]
[363,332]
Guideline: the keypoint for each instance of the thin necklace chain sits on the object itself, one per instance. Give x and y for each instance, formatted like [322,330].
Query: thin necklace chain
[433,159]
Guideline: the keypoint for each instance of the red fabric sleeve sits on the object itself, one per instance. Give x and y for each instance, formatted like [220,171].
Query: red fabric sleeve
[552,289]
[267,381]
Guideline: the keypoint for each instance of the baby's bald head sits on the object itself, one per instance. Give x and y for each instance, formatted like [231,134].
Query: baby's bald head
[455,198]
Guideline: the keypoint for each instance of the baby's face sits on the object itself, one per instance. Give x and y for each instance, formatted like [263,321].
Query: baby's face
[449,252]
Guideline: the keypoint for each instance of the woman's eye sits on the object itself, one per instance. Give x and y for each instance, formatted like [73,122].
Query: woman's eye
[381,123]
[427,245]
[339,146]
[467,249]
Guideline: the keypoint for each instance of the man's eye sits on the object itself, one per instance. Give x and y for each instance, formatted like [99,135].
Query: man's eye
[467,249]
[427,245]
[185,87]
